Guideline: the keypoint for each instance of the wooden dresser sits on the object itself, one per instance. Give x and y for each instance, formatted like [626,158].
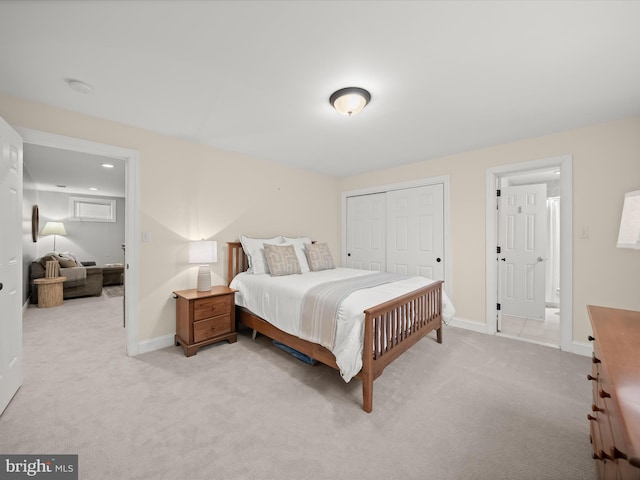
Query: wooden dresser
[203,318]
[615,412]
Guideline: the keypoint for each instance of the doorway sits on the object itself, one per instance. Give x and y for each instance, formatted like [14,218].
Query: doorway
[528,256]
[132,229]
[545,280]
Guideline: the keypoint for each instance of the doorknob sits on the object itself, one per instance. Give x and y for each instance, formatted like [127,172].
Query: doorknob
[438,260]
[540,259]
[503,259]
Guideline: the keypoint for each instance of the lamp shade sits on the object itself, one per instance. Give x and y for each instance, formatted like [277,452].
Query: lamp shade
[629,234]
[204,251]
[54,228]
[350,100]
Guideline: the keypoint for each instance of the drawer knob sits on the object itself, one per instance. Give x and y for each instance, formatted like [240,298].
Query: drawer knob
[604,394]
[591,417]
[589,377]
[595,408]
[591,339]
[595,359]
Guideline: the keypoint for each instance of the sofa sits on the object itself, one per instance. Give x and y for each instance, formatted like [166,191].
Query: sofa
[84,279]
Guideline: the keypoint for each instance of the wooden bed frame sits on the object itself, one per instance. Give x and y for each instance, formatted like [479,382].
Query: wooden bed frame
[402,321]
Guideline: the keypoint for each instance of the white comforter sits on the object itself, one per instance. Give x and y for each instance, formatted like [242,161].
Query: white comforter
[278,301]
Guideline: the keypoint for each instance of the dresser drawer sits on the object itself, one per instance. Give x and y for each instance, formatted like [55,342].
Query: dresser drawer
[211,327]
[211,307]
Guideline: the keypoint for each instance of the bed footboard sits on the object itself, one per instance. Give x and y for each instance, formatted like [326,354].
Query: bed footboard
[391,328]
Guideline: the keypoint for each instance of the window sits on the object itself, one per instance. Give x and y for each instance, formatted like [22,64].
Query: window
[92,209]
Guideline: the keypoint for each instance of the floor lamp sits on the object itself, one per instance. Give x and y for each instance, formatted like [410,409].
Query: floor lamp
[54,228]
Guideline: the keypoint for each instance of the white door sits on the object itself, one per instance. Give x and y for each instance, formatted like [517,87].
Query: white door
[522,238]
[415,231]
[366,217]
[10,263]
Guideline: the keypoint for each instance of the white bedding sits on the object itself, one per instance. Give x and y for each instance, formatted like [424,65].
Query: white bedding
[278,301]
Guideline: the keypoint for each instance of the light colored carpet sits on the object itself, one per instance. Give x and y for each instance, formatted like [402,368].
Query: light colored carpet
[477,407]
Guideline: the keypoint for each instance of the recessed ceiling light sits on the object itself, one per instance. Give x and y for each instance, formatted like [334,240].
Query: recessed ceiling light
[93,188]
[107,165]
[78,85]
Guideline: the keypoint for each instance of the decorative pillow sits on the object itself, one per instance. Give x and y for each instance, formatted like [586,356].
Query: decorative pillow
[68,261]
[282,259]
[298,243]
[73,257]
[254,249]
[65,261]
[319,256]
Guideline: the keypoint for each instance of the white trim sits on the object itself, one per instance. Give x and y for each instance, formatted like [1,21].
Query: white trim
[157,343]
[566,242]
[582,348]
[132,209]
[422,182]
[467,325]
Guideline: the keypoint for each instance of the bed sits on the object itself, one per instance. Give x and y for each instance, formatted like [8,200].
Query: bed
[388,329]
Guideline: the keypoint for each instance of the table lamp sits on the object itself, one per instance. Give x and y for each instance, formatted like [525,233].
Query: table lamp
[203,252]
[629,234]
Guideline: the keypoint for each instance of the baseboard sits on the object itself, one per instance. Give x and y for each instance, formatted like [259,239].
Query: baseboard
[157,343]
[467,325]
[582,348]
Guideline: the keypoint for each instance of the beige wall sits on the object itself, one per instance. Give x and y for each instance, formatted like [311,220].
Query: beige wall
[606,164]
[190,191]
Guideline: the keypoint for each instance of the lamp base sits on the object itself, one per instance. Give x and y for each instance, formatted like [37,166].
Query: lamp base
[204,279]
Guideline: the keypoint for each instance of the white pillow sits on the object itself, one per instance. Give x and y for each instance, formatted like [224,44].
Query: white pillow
[298,244]
[254,249]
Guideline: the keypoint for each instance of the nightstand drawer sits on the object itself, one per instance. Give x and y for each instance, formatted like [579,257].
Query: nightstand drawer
[212,327]
[211,307]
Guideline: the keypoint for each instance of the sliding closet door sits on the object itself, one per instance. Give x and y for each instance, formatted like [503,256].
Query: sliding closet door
[366,217]
[415,231]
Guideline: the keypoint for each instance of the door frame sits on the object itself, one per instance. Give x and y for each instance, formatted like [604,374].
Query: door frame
[132,208]
[564,163]
[422,182]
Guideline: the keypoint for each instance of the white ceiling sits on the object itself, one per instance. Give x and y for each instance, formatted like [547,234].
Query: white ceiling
[255,76]
[58,170]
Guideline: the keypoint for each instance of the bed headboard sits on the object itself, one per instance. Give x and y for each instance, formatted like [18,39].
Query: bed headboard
[237,261]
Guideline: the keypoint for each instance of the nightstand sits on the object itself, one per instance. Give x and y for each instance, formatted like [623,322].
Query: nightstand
[203,318]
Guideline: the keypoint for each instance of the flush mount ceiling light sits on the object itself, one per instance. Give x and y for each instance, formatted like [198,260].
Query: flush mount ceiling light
[79,85]
[350,100]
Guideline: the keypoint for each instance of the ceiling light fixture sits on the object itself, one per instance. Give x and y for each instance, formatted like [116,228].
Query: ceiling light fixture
[349,101]
[107,165]
[79,85]
[94,189]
